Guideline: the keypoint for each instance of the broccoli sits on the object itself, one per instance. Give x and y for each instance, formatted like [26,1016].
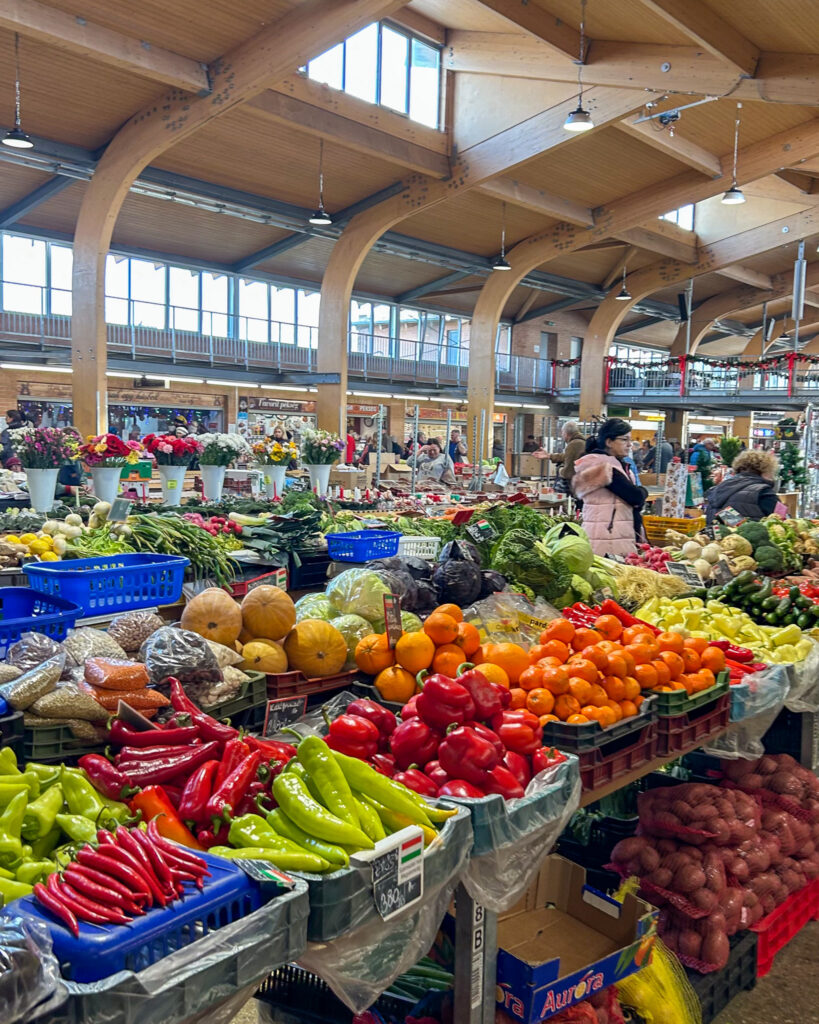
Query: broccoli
[768,558]
[755,533]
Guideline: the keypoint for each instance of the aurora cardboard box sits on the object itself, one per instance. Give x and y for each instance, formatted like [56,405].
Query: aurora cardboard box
[565,940]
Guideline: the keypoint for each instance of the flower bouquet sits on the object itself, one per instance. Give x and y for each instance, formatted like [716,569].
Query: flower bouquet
[42,451]
[273,456]
[173,456]
[320,449]
[218,451]
[105,455]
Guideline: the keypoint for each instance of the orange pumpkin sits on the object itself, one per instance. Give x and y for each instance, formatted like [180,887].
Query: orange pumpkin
[268,611]
[315,648]
[414,651]
[395,683]
[373,654]
[214,615]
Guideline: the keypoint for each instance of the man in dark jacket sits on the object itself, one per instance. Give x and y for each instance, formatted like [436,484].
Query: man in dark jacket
[750,491]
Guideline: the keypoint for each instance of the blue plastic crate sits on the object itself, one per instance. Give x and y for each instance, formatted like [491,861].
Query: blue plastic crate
[23,610]
[100,951]
[362,545]
[111,583]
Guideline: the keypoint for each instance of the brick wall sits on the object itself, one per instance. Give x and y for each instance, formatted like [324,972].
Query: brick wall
[564,325]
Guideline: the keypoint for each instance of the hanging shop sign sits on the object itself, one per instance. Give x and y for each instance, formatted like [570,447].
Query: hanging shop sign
[125,396]
[253,404]
[362,410]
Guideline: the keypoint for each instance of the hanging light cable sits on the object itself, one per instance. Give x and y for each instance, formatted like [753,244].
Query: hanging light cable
[321,218]
[734,195]
[623,295]
[580,120]
[16,137]
[501,263]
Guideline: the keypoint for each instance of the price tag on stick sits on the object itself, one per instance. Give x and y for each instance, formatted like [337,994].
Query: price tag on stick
[685,573]
[120,510]
[398,871]
[281,712]
[721,573]
[392,618]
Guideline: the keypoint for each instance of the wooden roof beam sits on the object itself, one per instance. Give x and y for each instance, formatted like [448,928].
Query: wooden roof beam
[652,134]
[746,276]
[96,42]
[697,20]
[803,183]
[680,246]
[540,23]
[618,267]
[537,200]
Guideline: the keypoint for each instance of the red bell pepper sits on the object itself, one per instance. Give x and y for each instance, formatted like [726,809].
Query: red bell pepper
[414,742]
[488,734]
[500,780]
[353,736]
[227,796]
[197,792]
[461,788]
[382,718]
[416,780]
[444,702]
[464,754]
[105,778]
[384,763]
[489,698]
[519,766]
[519,730]
[410,709]
[434,770]
[545,758]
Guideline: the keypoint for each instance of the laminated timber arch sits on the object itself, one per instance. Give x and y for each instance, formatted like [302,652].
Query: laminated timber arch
[756,343]
[269,56]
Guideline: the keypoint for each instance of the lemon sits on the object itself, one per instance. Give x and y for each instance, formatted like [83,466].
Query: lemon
[49,556]
[12,538]
[28,538]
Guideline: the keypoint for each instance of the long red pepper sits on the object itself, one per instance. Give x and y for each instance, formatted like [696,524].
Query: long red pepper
[83,909]
[105,778]
[104,894]
[146,754]
[272,750]
[197,792]
[57,907]
[123,736]
[180,852]
[209,728]
[127,840]
[155,861]
[236,750]
[125,856]
[125,874]
[228,796]
[167,768]
[113,884]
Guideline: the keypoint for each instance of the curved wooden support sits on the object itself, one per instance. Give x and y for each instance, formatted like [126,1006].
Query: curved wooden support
[267,57]
[703,317]
[756,344]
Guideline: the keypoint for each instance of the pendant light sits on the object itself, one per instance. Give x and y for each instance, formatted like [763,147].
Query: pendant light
[321,218]
[580,120]
[501,263]
[623,295]
[734,195]
[16,137]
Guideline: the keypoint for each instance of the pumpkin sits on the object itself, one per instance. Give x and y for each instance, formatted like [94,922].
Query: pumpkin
[315,648]
[395,684]
[414,651]
[269,612]
[245,636]
[214,615]
[263,656]
[373,654]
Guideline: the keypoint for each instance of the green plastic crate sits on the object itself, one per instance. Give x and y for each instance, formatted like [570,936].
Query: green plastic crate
[54,743]
[668,705]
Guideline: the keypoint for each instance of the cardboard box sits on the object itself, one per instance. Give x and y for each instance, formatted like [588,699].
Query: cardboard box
[529,466]
[400,471]
[348,478]
[564,941]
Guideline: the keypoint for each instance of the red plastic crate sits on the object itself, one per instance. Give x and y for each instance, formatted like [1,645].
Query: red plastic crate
[678,733]
[276,578]
[296,684]
[604,764]
[776,930]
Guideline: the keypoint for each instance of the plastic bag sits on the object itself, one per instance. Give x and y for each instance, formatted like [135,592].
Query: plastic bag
[115,674]
[358,592]
[181,654]
[131,629]
[85,642]
[32,649]
[661,991]
[69,701]
[23,691]
[755,703]
[29,975]
[804,679]
[511,837]
[510,617]
[225,656]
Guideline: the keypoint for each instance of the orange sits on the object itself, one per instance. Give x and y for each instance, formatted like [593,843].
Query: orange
[674,661]
[641,653]
[606,717]
[468,638]
[512,659]
[441,628]
[591,712]
[545,719]
[630,662]
[477,658]
[556,649]
[373,653]
[670,642]
[495,674]
[635,634]
[712,658]
[414,651]
[632,688]
[598,696]
[518,698]
[447,659]
[691,660]
[629,708]
[577,719]
[566,705]
[696,643]
[395,683]
[584,669]
[609,625]
[637,701]
[549,663]
[580,689]
[616,709]
[558,629]
[586,638]
[663,672]
[614,687]
[531,678]
[646,676]
[596,656]
[708,676]
[540,701]
[616,665]
[556,679]
[536,652]
[452,610]
[609,646]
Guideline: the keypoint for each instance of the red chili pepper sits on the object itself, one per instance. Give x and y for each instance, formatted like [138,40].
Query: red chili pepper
[416,780]
[609,607]
[353,736]
[519,766]
[414,742]
[167,768]
[434,770]
[383,763]
[57,907]
[133,880]
[545,758]
[236,750]
[519,730]
[174,851]
[208,728]
[462,788]
[489,698]
[158,811]
[105,778]
[155,860]
[130,841]
[124,855]
[500,780]
[124,736]
[444,702]
[488,734]
[80,875]
[103,894]
[272,750]
[229,795]
[84,909]
[464,754]
[382,718]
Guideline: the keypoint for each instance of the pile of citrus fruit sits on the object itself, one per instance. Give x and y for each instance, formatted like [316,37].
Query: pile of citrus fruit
[597,674]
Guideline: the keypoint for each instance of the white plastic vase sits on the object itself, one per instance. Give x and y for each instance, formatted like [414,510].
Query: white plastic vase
[277,473]
[106,482]
[42,483]
[319,477]
[213,480]
[172,479]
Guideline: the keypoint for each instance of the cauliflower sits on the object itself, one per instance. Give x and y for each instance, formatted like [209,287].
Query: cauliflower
[741,563]
[736,545]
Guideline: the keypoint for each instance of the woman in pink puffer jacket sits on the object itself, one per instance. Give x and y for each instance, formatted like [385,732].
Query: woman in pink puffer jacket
[611,498]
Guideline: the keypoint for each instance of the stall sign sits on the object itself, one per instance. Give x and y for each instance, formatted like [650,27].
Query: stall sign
[392,619]
[281,712]
[398,871]
[278,405]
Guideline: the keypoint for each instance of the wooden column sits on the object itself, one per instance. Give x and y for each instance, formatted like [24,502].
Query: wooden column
[269,56]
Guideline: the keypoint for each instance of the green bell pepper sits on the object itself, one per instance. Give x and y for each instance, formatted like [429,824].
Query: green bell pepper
[11,820]
[40,814]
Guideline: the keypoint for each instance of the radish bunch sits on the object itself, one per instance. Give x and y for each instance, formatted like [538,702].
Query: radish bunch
[650,558]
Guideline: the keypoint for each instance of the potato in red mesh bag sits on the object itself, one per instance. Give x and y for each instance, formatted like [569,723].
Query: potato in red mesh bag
[778,780]
[688,812]
[701,945]
[607,1006]
[635,856]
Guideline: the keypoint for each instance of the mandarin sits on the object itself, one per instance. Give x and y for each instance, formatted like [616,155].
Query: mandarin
[556,679]
[606,717]
[630,662]
[556,649]
[540,701]
[452,610]
[566,705]
[441,628]
[591,712]
[468,638]
[674,661]
[495,674]
[596,656]
[519,698]
[577,719]
[641,653]
[616,666]
[545,719]
[629,708]
[712,658]
[531,678]
[549,663]
[691,659]
[614,687]
[695,643]
[585,669]
[586,638]
[646,676]
[536,652]
[558,629]
[448,659]
[580,688]
[663,672]
[636,634]
[598,696]
[670,642]
[615,707]
[609,625]
[632,688]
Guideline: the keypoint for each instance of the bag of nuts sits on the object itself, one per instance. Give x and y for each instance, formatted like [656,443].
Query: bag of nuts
[131,629]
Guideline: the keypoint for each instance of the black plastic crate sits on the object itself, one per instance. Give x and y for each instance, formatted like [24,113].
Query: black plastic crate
[12,733]
[311,573]
[716,990]
[592,860]
[580,739]
[792,733]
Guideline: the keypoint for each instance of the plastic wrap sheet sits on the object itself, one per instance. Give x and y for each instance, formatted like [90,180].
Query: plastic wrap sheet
[206,982]
[29,975]
[513,836]
[507,616]
[312,723]
[754,706]
[804,683]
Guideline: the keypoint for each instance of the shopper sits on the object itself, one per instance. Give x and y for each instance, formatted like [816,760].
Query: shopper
[179,427]
[664,453]
[750,491]
[364,455]
[575,448]
[649,456]
[611,498]
[14,421]
[434,465]
[457,447]
[531,444]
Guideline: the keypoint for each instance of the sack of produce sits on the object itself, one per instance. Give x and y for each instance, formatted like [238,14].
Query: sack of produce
[702,945]
[22,692]
[131,629]
[32,649]
[85,642]
[116,674]
[181,654]
[697,813]
[778,780]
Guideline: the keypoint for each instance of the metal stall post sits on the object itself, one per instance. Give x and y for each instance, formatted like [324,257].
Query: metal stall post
[448,428]
[548,445]
[379,428]
[476,954]
[415,418]
[475,450]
